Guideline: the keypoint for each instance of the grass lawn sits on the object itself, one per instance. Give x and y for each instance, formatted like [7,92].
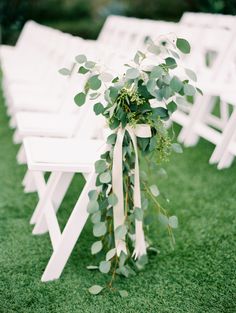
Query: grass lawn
[198,277]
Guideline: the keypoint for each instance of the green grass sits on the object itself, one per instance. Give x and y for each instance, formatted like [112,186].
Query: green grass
[198,277]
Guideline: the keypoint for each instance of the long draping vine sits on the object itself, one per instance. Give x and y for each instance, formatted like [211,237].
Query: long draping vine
[135,106]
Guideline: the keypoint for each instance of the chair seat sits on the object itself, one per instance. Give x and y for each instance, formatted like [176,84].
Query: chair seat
[67,155]
[46,124]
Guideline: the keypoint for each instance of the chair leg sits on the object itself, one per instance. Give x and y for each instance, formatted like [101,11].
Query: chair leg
[29,182]
[21,157]
[57,185]
[225,161]
[40,186]
[226,136]
[202,106]
[70,234]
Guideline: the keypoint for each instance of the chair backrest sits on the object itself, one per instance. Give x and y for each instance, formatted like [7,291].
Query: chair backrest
[198,19]
[209,52]
[209,20]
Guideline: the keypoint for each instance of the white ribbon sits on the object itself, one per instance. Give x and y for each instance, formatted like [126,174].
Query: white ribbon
[143,131]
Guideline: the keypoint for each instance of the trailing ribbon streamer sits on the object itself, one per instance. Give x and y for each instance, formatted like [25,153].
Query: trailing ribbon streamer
[143,131]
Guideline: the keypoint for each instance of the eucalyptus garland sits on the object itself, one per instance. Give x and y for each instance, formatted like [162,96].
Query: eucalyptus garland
[146,95]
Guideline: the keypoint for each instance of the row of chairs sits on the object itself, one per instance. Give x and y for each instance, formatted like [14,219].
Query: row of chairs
[62,139]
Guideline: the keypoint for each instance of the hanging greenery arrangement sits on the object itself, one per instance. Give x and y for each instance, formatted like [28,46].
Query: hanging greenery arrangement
[136,107]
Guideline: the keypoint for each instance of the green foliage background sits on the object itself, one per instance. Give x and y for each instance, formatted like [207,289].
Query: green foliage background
[85,17]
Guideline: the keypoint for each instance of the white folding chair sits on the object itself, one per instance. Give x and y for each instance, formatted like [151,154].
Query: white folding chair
[203,105]
[63,158]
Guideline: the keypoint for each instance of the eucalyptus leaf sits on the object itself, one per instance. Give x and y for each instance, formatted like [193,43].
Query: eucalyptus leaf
[92,267]
[110,254]
[95,289]
[104,267]
[156,72]
[111,139]
[93,206]
[138,213]
[163,219]
[64,71]
[94,82]
[99,229]
[154,49]
[94,95]
[93,195]
[172,106]
[154,190]
[173,221]
[176,84]
[112,199]
[121,231]
[80,98]
[81,58]
[183,45]
[191,74]
[132,73]
[123,293]
[83,70]
[177,147]
[189,90]
[89,64]
[96,247]
[100,166]
[96,217]
[105,177]
[98,108]
[171,63]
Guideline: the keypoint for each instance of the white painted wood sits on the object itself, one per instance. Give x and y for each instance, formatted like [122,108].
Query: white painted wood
[70,234]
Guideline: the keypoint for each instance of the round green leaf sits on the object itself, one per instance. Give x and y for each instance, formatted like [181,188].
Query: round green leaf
[163,219]
[132,73]
[94,82]
[154,190]
[183,45]
[172,106]
[89,64]
[111,139]
[80,98]
[191,74]
[99,229]
[64,71]
[94,95]
[93,206]
[105,177]
[138,214]
[189,90]
[98,108]
[112,199]
[93,195]
[83,70]
[100,166]
[156,72]
[95,289]
[177,147]
[176,84]
[81,58]
[171,63]
[104,266]
[173,221]
[96,217]
[121,231]
[96,247]
[123,293]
